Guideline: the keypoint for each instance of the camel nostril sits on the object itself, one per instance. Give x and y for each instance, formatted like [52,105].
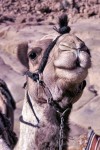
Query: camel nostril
[77,62]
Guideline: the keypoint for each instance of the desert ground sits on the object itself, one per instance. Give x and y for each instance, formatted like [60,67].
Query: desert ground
[86,112]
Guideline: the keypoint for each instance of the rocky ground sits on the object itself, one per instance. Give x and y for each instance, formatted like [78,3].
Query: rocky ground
[46,11]
[23,28]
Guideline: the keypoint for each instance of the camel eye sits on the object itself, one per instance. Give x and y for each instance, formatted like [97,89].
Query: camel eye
[36,51]
[32,55]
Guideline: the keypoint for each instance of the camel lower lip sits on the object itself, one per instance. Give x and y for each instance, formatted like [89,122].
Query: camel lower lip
[76,75]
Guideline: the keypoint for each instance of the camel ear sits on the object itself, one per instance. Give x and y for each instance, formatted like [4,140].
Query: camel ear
[22,54]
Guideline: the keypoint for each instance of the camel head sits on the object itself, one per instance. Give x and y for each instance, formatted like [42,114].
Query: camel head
[66,68]
[66,65]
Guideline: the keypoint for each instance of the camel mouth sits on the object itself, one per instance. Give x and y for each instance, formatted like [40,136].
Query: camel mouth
[42,100]
[45,100]
[71,60]
[75,75]
[65,67]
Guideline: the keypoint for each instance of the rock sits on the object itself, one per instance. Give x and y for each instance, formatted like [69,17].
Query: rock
[20,8]
[7,18]
[21,19]
[58,6]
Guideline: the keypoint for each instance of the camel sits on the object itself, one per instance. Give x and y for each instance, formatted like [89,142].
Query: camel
[51,88]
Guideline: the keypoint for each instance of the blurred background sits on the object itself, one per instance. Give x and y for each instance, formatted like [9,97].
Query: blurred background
[28,21]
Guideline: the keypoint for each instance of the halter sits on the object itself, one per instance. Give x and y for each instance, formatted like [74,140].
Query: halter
[61,112]
[63,29]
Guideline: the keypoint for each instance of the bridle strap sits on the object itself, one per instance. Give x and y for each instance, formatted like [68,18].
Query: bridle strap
[37,119]
[46,55]
[52,102]
[28,123]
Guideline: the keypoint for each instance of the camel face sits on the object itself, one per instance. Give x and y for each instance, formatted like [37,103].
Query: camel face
[67,65]
[72,60]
